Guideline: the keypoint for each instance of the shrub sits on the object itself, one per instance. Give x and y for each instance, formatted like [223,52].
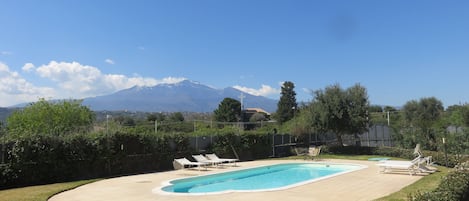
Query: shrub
[454,187]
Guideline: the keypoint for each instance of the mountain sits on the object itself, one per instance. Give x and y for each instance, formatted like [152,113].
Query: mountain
[185,96]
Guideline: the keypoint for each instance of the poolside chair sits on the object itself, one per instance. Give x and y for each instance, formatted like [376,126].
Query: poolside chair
[222,160]
[182,163]
[200,158]
[418,152]
[413,166]
[314,152]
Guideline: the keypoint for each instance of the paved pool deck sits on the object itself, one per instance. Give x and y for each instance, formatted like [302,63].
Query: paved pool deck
[365,184]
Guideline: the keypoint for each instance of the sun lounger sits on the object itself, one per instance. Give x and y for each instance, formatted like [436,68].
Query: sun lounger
[202,159]
[182,163]
[416,165]
[223,160]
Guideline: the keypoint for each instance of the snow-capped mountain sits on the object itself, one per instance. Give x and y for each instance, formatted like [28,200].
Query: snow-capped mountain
[184,96]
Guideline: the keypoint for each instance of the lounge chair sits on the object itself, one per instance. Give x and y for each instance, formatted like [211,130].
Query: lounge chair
[416,165]
[200,158]
[182,163]
[418,151]
[314,152]
[222,160]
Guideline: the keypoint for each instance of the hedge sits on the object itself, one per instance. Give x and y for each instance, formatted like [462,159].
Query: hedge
[42,159]
[453,187]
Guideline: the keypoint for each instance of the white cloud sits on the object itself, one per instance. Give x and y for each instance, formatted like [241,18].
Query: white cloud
[70,80]
[14,89]
[75,79]
[5,53]
[28,67]
[109,61]
[80,81]
[265,90]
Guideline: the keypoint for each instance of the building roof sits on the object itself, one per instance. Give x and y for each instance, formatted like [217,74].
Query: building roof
[257,110]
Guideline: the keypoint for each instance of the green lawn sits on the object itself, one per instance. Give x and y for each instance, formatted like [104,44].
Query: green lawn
[425,184]
[44,192]
[39,193]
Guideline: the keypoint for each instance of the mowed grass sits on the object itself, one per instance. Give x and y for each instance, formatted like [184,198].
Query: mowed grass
[41,192]
[44,192]
[426,184]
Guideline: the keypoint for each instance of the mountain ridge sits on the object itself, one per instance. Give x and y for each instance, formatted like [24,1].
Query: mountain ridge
[184,96]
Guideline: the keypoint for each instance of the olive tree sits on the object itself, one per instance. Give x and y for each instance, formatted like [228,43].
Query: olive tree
[51,118]
[421,119]
[340,111]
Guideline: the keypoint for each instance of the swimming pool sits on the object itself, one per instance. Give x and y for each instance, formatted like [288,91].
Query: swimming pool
[265,178]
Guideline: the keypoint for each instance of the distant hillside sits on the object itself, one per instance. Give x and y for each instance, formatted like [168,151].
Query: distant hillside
[185,96]
[5,112]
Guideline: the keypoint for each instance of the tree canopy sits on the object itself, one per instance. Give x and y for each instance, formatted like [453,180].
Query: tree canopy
[51,118]
[422,117]
[229,110]
[287,105]
[340,111]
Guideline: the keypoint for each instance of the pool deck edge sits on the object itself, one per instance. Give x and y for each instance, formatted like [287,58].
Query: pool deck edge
[364,184]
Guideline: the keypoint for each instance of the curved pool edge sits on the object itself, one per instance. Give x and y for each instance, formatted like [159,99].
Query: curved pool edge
[159,190]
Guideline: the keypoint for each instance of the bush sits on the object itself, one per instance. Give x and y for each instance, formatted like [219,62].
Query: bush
[454,187]
[41,159]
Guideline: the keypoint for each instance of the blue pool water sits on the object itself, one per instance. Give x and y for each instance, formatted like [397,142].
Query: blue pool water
[258,179]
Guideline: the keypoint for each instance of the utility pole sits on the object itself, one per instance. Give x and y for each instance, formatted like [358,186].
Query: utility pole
[388,117]
[241,97]
[156,126]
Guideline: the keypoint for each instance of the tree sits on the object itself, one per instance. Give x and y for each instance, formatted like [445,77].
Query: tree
[340,111]
[287,105]
[357,109]
[423,116]
[258,116]
[176,117]
[51,118]
[229,110]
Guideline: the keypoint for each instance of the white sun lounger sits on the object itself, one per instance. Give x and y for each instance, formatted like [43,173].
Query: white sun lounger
[202,159]
[416,165]
[223,160]
[182,163]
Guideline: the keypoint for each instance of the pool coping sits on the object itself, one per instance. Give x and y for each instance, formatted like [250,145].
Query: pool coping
[362,185]
[158,190]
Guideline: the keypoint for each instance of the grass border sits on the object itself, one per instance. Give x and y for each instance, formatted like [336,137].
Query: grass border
[41,192]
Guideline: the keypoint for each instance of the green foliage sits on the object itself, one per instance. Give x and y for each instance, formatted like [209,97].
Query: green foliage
[422,123]
[258,116]
[42,159]
[457,115]
[375,108]
[453,187]
[156,117]
[340,111]
[248,146]
[176,117]
[48,118]
[287,105]
[229,110]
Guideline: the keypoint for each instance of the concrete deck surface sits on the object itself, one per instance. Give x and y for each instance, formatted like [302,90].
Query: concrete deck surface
[364,184]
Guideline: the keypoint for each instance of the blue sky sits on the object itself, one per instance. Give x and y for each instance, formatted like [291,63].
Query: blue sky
[399,50]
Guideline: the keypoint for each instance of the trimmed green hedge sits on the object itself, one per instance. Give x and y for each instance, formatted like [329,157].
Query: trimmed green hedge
[47,159]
